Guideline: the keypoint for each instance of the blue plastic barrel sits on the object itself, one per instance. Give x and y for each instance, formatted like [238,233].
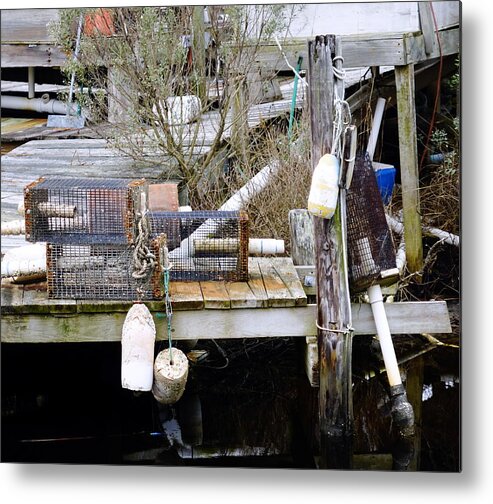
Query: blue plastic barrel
[385,179]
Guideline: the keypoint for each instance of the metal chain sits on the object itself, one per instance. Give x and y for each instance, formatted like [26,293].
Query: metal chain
[167,299]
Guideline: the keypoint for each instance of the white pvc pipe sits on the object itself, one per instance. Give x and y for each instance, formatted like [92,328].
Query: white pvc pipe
[375,129]
[25,260]
[37,105]
[23,267]
[17,227]
[235,203]
[267,246]
[251,188]
[384,336]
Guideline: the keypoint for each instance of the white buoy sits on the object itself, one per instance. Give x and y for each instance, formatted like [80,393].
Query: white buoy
[324,190]
[138,338]
[170,379]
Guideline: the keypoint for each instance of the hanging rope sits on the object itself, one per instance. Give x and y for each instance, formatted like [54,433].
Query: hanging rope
[144,261]
[342,111]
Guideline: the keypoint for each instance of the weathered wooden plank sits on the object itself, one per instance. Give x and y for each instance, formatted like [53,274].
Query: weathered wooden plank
[301,233]
[241,295]
[404,318]
[278,294]
[284,267]
[256,283]
[35,299]
[27,25]
[186,295]
[427,26]
[40,55]
[408,153]
[12,125]
[215,295]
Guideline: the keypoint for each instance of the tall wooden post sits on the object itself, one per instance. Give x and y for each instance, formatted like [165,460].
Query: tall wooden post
[333,312]
[408,153]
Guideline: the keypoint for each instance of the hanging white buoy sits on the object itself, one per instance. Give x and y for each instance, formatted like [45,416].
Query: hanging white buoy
[138,338]
[324,190]
[170,379]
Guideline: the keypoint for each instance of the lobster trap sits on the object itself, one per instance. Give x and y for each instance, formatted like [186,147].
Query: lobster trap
[204,245]
[371,251]
[103,272]
[83,210]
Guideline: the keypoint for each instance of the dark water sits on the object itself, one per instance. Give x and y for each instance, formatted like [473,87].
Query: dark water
[247,404]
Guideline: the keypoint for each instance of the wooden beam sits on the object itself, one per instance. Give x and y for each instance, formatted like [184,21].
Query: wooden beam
[27,26]
[333,313]
[406,110]
[93,325]
[40,55]
[366,50]
[427,26]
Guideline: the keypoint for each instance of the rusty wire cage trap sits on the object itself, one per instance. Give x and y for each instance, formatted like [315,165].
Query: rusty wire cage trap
[104,272]
[205,245]
[83,210]
[371,251]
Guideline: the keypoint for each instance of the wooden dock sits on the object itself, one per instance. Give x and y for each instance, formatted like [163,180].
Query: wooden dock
[271,304]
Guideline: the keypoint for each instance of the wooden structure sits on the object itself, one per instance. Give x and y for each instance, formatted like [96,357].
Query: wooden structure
[334,310]
[271,304]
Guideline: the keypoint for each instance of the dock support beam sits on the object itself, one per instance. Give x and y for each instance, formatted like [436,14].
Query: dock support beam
[333,310]
[406,110]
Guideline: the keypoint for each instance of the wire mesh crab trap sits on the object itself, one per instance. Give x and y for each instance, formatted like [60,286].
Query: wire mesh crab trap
[371,251]
[205,245]
[103,272]
[83,210]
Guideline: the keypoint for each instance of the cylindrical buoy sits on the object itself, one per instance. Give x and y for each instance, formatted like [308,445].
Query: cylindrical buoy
[324,191]
[170,378]
[138,338]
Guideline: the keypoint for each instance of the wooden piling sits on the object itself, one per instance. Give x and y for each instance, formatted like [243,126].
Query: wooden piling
[333,309]
[404,79]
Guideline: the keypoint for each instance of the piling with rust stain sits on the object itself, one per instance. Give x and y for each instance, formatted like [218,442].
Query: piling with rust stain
[335,397]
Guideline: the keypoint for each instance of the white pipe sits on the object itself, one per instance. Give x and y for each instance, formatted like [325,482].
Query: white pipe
[251,188]
[375,129]
[235,203]
[37,105]
[17,227]
[398,228]
[30,82]
[24,267]
[384,337]
[266,246]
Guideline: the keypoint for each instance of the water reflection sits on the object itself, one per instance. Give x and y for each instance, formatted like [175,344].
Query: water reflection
[259,411]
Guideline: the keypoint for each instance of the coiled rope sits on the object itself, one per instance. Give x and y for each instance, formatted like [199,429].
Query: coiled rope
[144,261]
